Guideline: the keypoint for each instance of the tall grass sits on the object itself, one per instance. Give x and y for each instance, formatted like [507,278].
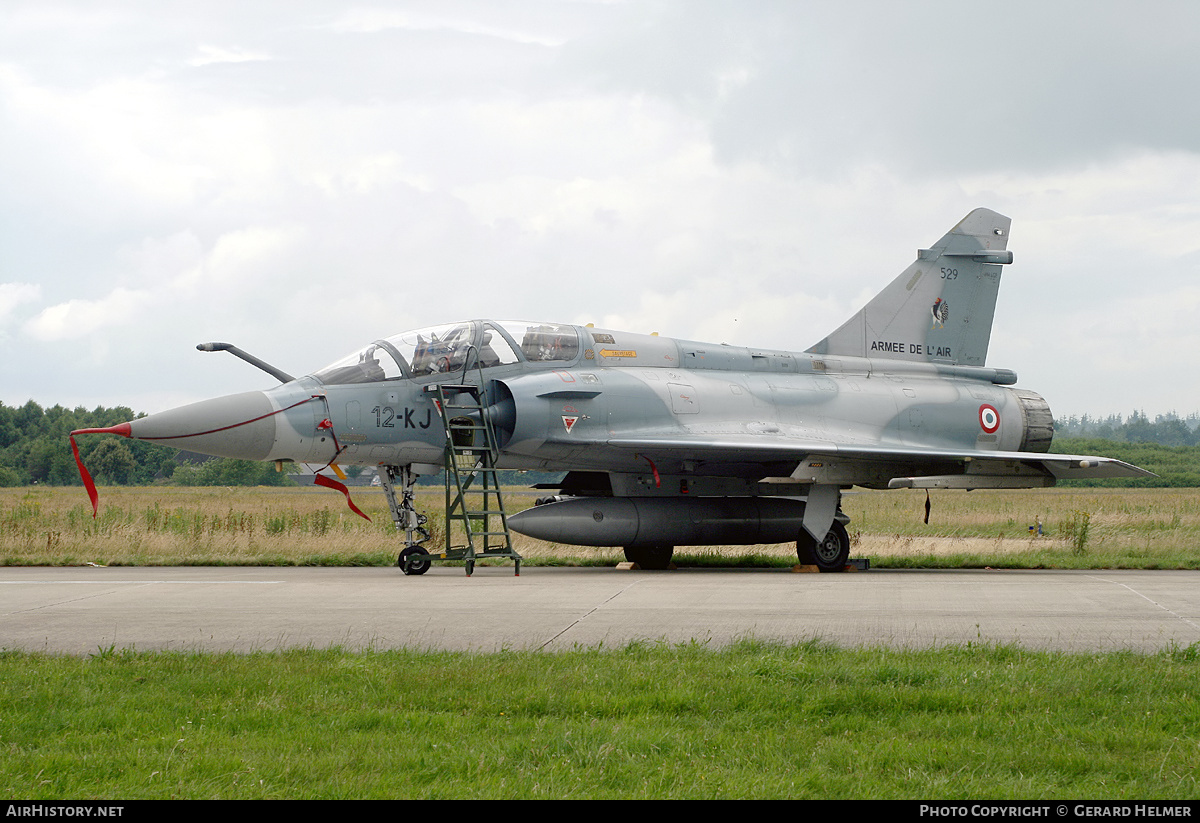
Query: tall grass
[173,525]
[1137,528]
[1145,528]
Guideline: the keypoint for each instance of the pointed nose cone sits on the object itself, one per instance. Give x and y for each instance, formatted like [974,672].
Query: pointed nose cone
[237,425]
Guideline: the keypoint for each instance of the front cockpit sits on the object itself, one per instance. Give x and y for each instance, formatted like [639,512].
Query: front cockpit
[454,347]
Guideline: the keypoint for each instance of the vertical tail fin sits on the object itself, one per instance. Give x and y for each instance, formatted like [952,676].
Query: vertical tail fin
[940,309]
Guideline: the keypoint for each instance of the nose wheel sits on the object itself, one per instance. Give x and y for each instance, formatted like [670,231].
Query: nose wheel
[414,560]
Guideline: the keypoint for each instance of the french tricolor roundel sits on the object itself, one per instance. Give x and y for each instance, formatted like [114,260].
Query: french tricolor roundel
[989,418]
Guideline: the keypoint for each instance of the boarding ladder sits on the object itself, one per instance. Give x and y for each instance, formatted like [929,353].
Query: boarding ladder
[473,496]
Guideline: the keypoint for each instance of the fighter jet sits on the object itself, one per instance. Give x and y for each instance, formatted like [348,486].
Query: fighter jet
[669,442]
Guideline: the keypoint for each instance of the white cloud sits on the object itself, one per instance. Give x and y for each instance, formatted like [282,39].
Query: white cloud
[371,20]
[78,318]
[210,54]
[14,294]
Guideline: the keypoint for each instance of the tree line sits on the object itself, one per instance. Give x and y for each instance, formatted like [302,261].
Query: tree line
[35,449]
[1165,429]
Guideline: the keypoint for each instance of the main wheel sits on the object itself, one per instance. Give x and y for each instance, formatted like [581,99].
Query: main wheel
[828,555]
[419,562]
[650,557]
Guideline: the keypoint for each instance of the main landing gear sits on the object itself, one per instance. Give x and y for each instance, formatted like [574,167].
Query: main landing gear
[650,557]
[828,555]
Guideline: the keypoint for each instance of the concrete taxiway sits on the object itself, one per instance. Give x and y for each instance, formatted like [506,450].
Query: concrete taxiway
[82,610]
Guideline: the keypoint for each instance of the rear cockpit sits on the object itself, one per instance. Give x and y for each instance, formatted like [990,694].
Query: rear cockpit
[455,347]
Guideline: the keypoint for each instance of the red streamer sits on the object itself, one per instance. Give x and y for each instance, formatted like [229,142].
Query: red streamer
[89,484]
[653,468]
[330,483]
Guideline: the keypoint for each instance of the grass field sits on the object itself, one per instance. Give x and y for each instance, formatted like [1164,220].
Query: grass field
[750,721]
[163,525]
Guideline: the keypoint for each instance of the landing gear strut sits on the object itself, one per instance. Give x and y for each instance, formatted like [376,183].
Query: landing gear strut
[406,517]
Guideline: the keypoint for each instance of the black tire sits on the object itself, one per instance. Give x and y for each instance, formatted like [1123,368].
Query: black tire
[830,555]
[650,557]
[416,565]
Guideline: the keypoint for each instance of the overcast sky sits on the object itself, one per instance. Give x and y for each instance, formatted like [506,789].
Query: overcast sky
[301,177]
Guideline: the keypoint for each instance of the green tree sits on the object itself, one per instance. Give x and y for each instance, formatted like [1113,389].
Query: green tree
[112,461]
[39,460]
[226,471]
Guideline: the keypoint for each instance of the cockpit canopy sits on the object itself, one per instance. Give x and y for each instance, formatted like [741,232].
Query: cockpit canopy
[454,347]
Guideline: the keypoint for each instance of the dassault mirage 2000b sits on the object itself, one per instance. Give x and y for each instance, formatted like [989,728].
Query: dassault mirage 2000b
[671,442]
